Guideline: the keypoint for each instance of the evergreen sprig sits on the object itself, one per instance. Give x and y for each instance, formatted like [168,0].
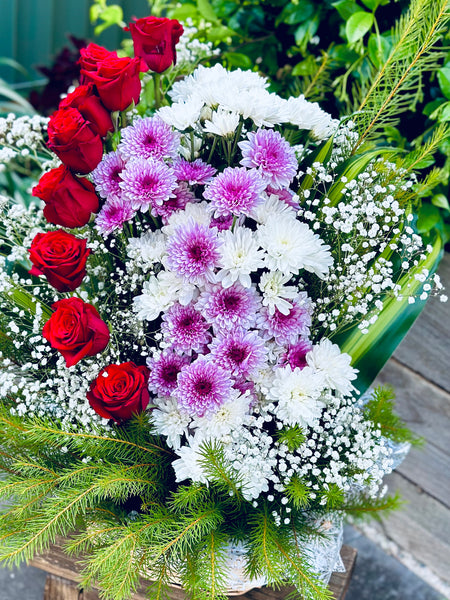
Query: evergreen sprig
[396,85]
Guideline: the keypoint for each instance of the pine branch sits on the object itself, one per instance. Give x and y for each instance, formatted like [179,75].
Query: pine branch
[398,81]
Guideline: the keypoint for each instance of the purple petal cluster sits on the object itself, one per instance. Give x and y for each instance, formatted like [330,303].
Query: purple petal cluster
[185,329]
[241,352]
[203,387]
[164,371]
[229,307]
[267,151]
[196,172]
[106,176]
[193,252]
[149,137]
[115,212]
[147,183]
[236,191]
[286,329]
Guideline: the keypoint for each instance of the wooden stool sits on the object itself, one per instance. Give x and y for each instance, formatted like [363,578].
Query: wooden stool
[61,583]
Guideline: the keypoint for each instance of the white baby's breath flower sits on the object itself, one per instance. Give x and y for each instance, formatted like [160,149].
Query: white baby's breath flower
[327,359]
[240,256]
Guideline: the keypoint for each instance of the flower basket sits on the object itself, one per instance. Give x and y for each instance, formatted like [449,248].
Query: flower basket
[189,319]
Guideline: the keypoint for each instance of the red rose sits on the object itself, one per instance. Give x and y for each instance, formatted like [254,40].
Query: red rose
[61,257]
[154,40]
[76,330]
[117,81]
[74,141]
[69,200]
[90,57]
[120,391]
[91,108]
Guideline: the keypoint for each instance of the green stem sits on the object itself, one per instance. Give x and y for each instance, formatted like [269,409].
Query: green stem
[157,84]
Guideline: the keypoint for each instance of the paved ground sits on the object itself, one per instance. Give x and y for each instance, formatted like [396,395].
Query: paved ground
[377,577]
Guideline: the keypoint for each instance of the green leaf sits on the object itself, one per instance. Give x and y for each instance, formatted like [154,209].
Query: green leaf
[379,49]
[305,67]
[444,81]
[346,8]
[372,350]
[220,33]
[236,59]
[429,216]
[306,31]
[444,114]
[295,13]
[371,4]
[206,10]
[185,11]
[441,201]
[358,25]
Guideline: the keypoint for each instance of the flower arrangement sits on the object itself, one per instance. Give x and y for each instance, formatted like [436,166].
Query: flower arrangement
[182,324]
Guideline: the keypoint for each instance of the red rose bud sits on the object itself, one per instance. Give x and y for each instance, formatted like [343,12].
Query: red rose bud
[91,108]
[154,40]
[69,200]
[74,141]
[76,330]
[120,391]
[91,56]
[61,258]
[117,81]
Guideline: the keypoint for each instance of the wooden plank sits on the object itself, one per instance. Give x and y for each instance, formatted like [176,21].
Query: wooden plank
[426,410]
[426,348]
[57,588]
[66,575]
[421,527]
[8,39]
[69,18]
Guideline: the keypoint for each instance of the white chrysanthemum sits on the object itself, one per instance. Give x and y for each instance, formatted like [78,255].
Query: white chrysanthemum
[297,394]
[307,115]
[182,115]
[270,209]
[188,465]
[291,245]
[158,295]
[169,421]
[334,365]
[258,105]
[240,256]
[275,292]
[223,123]
[228,417]
[148,249]
[197,212]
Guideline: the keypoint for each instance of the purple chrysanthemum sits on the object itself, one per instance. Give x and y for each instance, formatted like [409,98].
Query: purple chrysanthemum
[285,195]
[202,387]
[236,190]
[286,329]
[185,329]
[147,183]
[241,352]
[228,307]
[268,151]
[164,371]
[193,252]
[195,172]
[222,223]
[295,355]
[106,176]
[181,196]
[114,213]
[149,138]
